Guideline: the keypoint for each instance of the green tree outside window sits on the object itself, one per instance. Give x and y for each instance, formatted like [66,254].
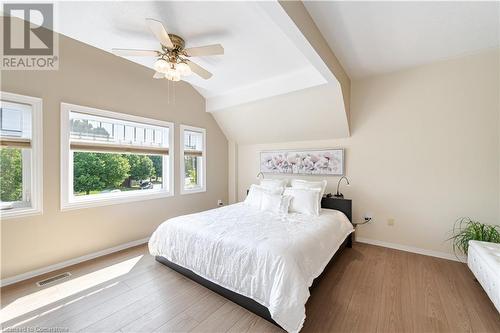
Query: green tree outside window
[11,174]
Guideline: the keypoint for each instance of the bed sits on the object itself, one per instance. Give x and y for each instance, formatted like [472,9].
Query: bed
[484,262]
[262,261]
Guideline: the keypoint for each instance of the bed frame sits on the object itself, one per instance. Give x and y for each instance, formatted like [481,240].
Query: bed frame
[343,205]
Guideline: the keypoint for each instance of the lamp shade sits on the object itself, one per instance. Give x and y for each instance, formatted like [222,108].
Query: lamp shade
[173,75]
[184,69]
[161,65]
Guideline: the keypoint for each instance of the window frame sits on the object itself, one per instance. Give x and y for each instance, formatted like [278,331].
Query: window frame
[68,201]
[203,187]
[35,174]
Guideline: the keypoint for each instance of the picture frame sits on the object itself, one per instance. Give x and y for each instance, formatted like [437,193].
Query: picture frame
[314,162]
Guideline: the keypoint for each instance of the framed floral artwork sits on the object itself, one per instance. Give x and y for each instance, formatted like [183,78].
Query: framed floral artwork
[329,162]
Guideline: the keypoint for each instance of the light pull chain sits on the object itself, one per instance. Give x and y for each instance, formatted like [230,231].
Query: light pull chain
[170,89]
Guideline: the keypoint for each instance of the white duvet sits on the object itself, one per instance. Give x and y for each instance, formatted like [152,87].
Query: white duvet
[270,258]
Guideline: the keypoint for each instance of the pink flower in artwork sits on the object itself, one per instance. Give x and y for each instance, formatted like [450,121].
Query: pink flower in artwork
[322,163]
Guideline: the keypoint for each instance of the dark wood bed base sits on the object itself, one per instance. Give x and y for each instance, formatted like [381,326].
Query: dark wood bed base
[343,205]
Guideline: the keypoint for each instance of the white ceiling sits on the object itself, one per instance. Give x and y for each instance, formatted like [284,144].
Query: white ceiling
[257,51]
[378,37]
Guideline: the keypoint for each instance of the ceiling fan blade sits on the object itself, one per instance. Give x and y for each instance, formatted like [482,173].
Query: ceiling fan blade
[134,53]
[197,69]
[160,32]
[207,50]
[158,75]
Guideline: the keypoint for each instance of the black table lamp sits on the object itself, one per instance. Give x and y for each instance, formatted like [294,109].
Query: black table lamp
[338,194]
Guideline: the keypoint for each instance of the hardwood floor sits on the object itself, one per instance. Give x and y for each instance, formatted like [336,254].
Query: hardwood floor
[366,289]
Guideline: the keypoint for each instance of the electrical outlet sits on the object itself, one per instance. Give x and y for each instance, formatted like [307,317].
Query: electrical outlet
[390,221]
[219,203]
[368,216]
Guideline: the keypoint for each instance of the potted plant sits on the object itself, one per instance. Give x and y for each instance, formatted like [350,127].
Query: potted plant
[466,229]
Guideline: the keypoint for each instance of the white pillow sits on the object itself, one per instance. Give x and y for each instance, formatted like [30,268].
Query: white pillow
[274,184]
[275,203]
[305,201]
[254,196]
[299,183]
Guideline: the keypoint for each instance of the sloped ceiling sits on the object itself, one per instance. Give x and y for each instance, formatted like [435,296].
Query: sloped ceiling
[318,112]
[267,56]
[297,116]
[373,38]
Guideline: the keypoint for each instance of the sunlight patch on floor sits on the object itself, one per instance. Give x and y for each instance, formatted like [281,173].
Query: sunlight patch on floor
[36,300]
[62,305]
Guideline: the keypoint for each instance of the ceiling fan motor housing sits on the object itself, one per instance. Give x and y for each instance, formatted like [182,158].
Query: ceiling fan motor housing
[172,54]
[177,41]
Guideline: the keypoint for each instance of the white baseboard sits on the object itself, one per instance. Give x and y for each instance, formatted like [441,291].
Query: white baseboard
[47,269]
[442,255]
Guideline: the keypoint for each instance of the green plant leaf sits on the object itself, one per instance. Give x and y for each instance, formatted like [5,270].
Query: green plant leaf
[465,230]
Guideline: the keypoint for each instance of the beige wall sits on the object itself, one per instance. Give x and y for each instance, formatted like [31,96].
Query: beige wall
[91,77]
[232,156]
[424,150]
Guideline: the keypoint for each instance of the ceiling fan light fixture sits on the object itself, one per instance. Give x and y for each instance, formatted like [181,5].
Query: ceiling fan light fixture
[171,67]
[184,69]
[172,59]
[161,65]
[173,75]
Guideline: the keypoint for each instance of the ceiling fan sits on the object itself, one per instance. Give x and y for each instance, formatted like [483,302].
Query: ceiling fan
[173,63]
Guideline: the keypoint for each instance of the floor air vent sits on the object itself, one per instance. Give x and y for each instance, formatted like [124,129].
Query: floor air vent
[53,279]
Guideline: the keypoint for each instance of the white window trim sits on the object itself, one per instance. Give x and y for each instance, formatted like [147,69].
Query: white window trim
[68,201]
[36,177]
[203,187]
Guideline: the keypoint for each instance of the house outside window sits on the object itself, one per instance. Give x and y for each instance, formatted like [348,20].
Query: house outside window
[193,159]
[110,158]
[21,162]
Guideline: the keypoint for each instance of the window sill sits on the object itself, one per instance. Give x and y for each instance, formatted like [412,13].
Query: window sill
[193,190]
[112,200]
[19,212]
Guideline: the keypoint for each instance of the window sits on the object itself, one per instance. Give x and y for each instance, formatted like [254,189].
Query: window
[109,157]
[20,155]
[193,159]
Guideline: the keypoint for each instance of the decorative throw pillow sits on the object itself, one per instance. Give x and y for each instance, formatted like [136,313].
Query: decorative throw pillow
[254,197]
[275,203]
[274,184]
[304,184]
[304,201]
